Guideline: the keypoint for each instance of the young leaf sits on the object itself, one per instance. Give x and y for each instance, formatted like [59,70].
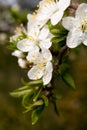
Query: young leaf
[37,82]
[68,80]
[27,99]
[12,46]
[57,30]
[37,93]
[36,114]
[34,105]
[20,93]
[45,99]
[57,39]
[63,68]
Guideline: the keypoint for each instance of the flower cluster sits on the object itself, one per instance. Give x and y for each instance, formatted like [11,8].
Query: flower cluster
[77,26]
[43,49]
[36,41]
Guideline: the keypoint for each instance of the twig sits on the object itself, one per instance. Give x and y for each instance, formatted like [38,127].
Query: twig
[61,53]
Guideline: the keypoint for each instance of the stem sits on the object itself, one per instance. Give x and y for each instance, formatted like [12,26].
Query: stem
[61,53]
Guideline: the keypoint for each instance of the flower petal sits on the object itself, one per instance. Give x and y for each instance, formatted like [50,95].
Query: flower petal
[47,7]
[46,54]
[25,45]
[33,55]
[22,63]
[46,43]
[48,73]
[49,66]
[63,4]
[74,38]
[44,33]
[56,17]
[67,22]
[34,32]
[18,54]
[47,78]
[81,12]
[35,73]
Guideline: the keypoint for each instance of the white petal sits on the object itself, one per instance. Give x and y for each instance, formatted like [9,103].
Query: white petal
[67,22]
[47,56]
[63,4]
[82,10]
[34,32]
[74,38]
[35,73]
[56,17]
[22,63]
[18,54]
[42,17]
[46,43]
[44,33]
[25,45]
[48,73]
[47,8]
[47,78]
[49,67]
[33,55]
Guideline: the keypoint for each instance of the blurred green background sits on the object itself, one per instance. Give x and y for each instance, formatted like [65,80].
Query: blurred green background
[73,104]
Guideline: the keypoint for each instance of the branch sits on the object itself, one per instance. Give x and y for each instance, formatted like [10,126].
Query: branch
[61,53]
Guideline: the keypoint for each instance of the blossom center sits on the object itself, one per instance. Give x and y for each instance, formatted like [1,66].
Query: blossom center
[31,38]
[84,25]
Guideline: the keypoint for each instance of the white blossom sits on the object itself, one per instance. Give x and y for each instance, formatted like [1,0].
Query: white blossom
[36,39]
[52,10]
[77,27]
[42,66]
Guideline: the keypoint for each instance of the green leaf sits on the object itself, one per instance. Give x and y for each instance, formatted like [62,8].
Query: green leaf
[12,46]
[57,39]
[57,30]
[45,99]
[68,80]
[37,82]
[23,88]
[36,114]
[34,105]
[27,99]
[28,85]
[63,68]
[20,93]
[36,95]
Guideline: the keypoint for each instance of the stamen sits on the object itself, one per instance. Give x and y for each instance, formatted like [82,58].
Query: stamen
[31,38]
[84,25]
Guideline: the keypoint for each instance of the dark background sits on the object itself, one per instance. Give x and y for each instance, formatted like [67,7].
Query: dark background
[73,104]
